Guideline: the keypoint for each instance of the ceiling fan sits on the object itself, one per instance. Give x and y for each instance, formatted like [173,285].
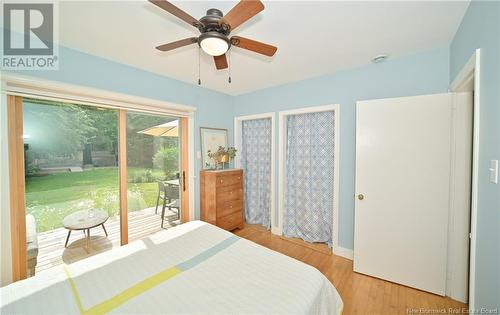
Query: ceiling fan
[215,29]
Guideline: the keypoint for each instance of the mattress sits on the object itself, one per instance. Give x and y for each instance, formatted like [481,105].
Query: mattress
[194,268]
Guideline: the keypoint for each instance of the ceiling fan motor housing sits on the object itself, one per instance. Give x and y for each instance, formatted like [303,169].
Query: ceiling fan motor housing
[212,28]
[211,22]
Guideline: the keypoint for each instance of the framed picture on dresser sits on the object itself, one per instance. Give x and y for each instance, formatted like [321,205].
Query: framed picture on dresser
[211,139]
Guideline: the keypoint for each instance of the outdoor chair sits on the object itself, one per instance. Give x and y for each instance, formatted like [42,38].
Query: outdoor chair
[169,195]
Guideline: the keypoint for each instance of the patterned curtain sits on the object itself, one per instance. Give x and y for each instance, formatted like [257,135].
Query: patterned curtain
[256,164]
[309,177]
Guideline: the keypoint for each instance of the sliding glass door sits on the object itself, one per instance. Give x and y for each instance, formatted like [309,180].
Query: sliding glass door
[90,178]
[153,162]
[71,181]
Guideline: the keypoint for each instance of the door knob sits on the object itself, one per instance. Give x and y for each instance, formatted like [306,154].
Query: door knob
[361,197]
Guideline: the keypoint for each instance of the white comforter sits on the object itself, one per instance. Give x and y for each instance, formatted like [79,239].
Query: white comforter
[195,268]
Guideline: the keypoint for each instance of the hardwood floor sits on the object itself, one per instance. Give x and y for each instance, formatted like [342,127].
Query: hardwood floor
[361,294]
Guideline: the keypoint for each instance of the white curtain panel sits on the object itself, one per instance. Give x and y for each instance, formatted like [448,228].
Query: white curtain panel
[308,207]
[256,165]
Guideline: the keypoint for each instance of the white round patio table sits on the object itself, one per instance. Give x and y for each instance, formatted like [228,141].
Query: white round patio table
[84,220]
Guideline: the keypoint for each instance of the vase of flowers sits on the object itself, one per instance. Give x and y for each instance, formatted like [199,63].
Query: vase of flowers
[222,156]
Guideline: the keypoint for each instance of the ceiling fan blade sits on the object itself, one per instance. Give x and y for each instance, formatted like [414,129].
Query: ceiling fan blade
[220,62]
[172,9]
[253,45]
[242,12]
[177,44]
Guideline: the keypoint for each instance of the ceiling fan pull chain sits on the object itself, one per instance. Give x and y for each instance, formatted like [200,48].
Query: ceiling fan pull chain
[229,62]
[199,67]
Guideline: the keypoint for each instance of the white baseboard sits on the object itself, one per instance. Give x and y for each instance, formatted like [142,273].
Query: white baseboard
[343,252]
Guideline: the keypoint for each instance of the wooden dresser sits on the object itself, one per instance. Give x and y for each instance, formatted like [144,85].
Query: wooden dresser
[222,198]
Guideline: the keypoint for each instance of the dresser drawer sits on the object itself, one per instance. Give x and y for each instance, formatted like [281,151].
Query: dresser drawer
[227,193]
[222,198]
[229,207]
[229,179]
[231,221]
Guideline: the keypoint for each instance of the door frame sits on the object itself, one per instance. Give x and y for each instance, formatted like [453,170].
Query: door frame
[122,175]
[16,187]
[186,164]
[15,87]
[336,167]
[470,77]
[237,161]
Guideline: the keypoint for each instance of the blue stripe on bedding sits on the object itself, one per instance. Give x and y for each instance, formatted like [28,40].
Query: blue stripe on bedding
[196,260]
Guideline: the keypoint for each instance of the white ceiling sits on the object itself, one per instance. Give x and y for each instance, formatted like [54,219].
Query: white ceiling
[313,38]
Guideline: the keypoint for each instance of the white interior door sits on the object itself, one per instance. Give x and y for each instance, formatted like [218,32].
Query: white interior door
[402,190]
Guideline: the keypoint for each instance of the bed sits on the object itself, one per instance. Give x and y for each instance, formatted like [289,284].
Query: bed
[194,268]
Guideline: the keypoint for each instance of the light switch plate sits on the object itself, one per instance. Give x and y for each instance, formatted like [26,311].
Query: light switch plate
[198,155]
[494,171]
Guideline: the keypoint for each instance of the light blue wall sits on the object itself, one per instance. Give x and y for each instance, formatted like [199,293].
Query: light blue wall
[480,28]
[213,109]
[423,73]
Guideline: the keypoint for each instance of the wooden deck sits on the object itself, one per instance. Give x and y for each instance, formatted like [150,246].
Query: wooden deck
[51,243]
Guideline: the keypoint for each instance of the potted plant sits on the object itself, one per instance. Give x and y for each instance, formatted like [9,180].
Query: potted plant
[222,156]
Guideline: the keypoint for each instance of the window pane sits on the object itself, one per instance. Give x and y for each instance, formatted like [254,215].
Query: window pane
[152,173]
[71,176]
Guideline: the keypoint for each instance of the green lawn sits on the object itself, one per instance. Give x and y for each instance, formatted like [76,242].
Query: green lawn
[50,198]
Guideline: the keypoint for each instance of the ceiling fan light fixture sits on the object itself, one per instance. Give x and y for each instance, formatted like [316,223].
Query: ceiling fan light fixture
[213,43]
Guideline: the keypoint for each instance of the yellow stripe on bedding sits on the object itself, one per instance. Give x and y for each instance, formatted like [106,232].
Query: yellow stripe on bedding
[132,292]
[74,291]
[150,282]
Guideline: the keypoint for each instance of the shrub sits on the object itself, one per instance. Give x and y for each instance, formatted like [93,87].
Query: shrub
[167,159]
[145,176]
[32,169]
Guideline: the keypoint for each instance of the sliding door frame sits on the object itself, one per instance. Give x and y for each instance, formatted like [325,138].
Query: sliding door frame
[237,161]
[122,166]
[186,194]
[184,181]
[17,187]
[16,87]
[336,167]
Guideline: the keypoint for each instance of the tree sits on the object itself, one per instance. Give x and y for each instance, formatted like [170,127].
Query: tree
[105,133]
[55,129]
